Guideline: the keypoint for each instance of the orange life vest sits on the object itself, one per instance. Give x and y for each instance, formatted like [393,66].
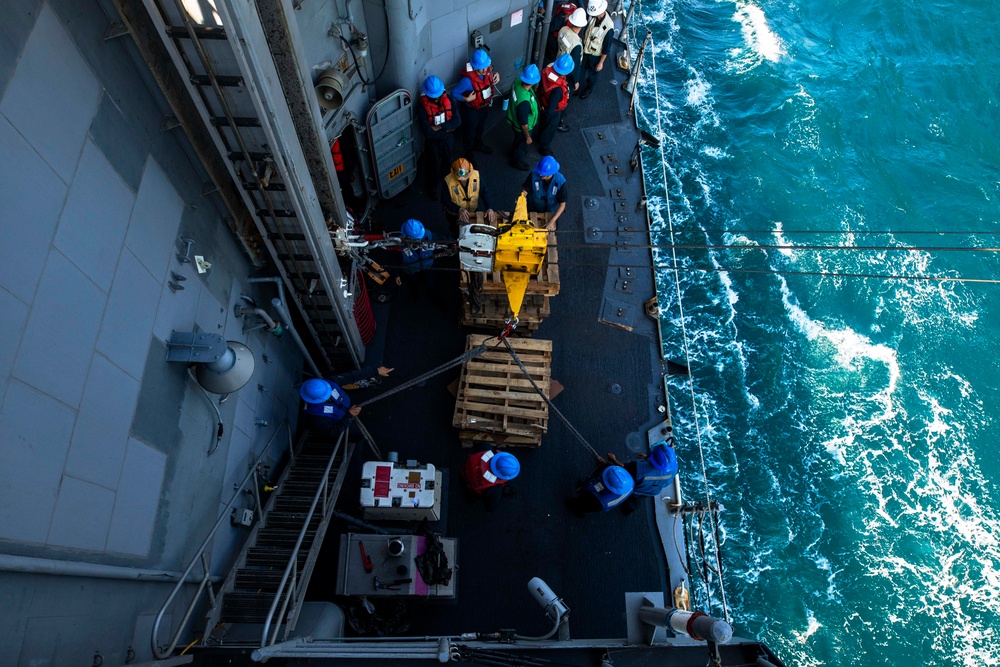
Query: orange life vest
[482,87]
[550,81]
[477,473]
[438,111]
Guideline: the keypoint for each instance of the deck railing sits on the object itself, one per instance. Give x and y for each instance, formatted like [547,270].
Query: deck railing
[290,578]
[199,556]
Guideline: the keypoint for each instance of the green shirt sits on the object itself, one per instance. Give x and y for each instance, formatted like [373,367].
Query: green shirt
[519,94]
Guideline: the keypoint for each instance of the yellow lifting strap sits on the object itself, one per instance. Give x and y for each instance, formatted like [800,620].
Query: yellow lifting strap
[519,254]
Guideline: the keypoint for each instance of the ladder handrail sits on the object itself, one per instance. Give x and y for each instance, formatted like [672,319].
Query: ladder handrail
[199,556]
[293,559]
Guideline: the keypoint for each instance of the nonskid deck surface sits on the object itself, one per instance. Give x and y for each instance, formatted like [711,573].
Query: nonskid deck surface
[592,561]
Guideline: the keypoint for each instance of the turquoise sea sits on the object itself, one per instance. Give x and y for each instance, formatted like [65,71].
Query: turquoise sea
[847,424]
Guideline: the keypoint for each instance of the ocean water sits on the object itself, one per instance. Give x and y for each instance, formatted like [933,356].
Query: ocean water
[847,424]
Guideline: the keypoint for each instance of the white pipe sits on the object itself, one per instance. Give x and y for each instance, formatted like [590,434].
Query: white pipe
[286,319]
[68,568]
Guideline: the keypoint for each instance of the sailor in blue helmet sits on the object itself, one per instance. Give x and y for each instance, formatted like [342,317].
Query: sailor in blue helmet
[608,487]
[522,115]
[654,472]
[553,96]
[438,117]
[417,259]
[328,408]
[477,89]
[486,472]
[651,472]
[546,190]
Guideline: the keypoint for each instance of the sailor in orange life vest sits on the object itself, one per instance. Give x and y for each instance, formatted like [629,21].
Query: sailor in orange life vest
[476,88]
[328,409]
[553,97]
[546,190]
[438,118]
[486,471]
[608,486]
[464,193]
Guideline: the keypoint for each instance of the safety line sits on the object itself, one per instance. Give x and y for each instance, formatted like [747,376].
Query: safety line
[548,401]
[680,306]
[457,361]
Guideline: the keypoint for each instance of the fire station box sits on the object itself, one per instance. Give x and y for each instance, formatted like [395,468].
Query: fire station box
[397,492]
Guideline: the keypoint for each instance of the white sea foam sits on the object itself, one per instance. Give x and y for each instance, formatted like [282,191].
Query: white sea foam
[779,239]
[852,350]
[811,628]
[757,35]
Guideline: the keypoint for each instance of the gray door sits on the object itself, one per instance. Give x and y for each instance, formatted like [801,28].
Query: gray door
[394,152]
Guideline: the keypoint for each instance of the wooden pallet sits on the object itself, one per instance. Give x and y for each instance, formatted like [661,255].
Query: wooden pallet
[547,280]
[495,311]
[494,398]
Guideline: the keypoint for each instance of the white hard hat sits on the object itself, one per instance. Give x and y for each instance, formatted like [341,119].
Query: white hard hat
[578,18]
[597,7]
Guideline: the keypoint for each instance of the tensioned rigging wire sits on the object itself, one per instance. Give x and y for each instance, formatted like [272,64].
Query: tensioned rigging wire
[781,246]
[696,269]
[684,335]
[845,232]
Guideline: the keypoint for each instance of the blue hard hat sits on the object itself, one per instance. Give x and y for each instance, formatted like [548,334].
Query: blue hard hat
[315,390]
[564,64]
[663,458]
[505,466]
[413,229]
[480,59]
[618,480]
[433,87]
[547,166]
[531,75]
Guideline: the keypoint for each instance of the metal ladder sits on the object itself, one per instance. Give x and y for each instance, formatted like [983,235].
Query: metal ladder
[219,76]
[267,585]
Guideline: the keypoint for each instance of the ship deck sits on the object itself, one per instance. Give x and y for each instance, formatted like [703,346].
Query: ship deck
[592,561]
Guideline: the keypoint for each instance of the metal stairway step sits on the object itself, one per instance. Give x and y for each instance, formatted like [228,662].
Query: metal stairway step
[246,607]
[278,212]
[290,520]
[241,121]
[256,156]
[281,537]
[201,32]
[223,81]
[271,187]
[258,580]
[276,558]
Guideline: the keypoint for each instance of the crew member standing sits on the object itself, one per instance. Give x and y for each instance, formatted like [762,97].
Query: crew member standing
[328,409]
[522,115]
[545,189]
[476,88]
[606,488]
[417,258]
[560,14]
[596,44]
[569,41]
[438,118]
[486,471]
[553,96]
[463,193]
